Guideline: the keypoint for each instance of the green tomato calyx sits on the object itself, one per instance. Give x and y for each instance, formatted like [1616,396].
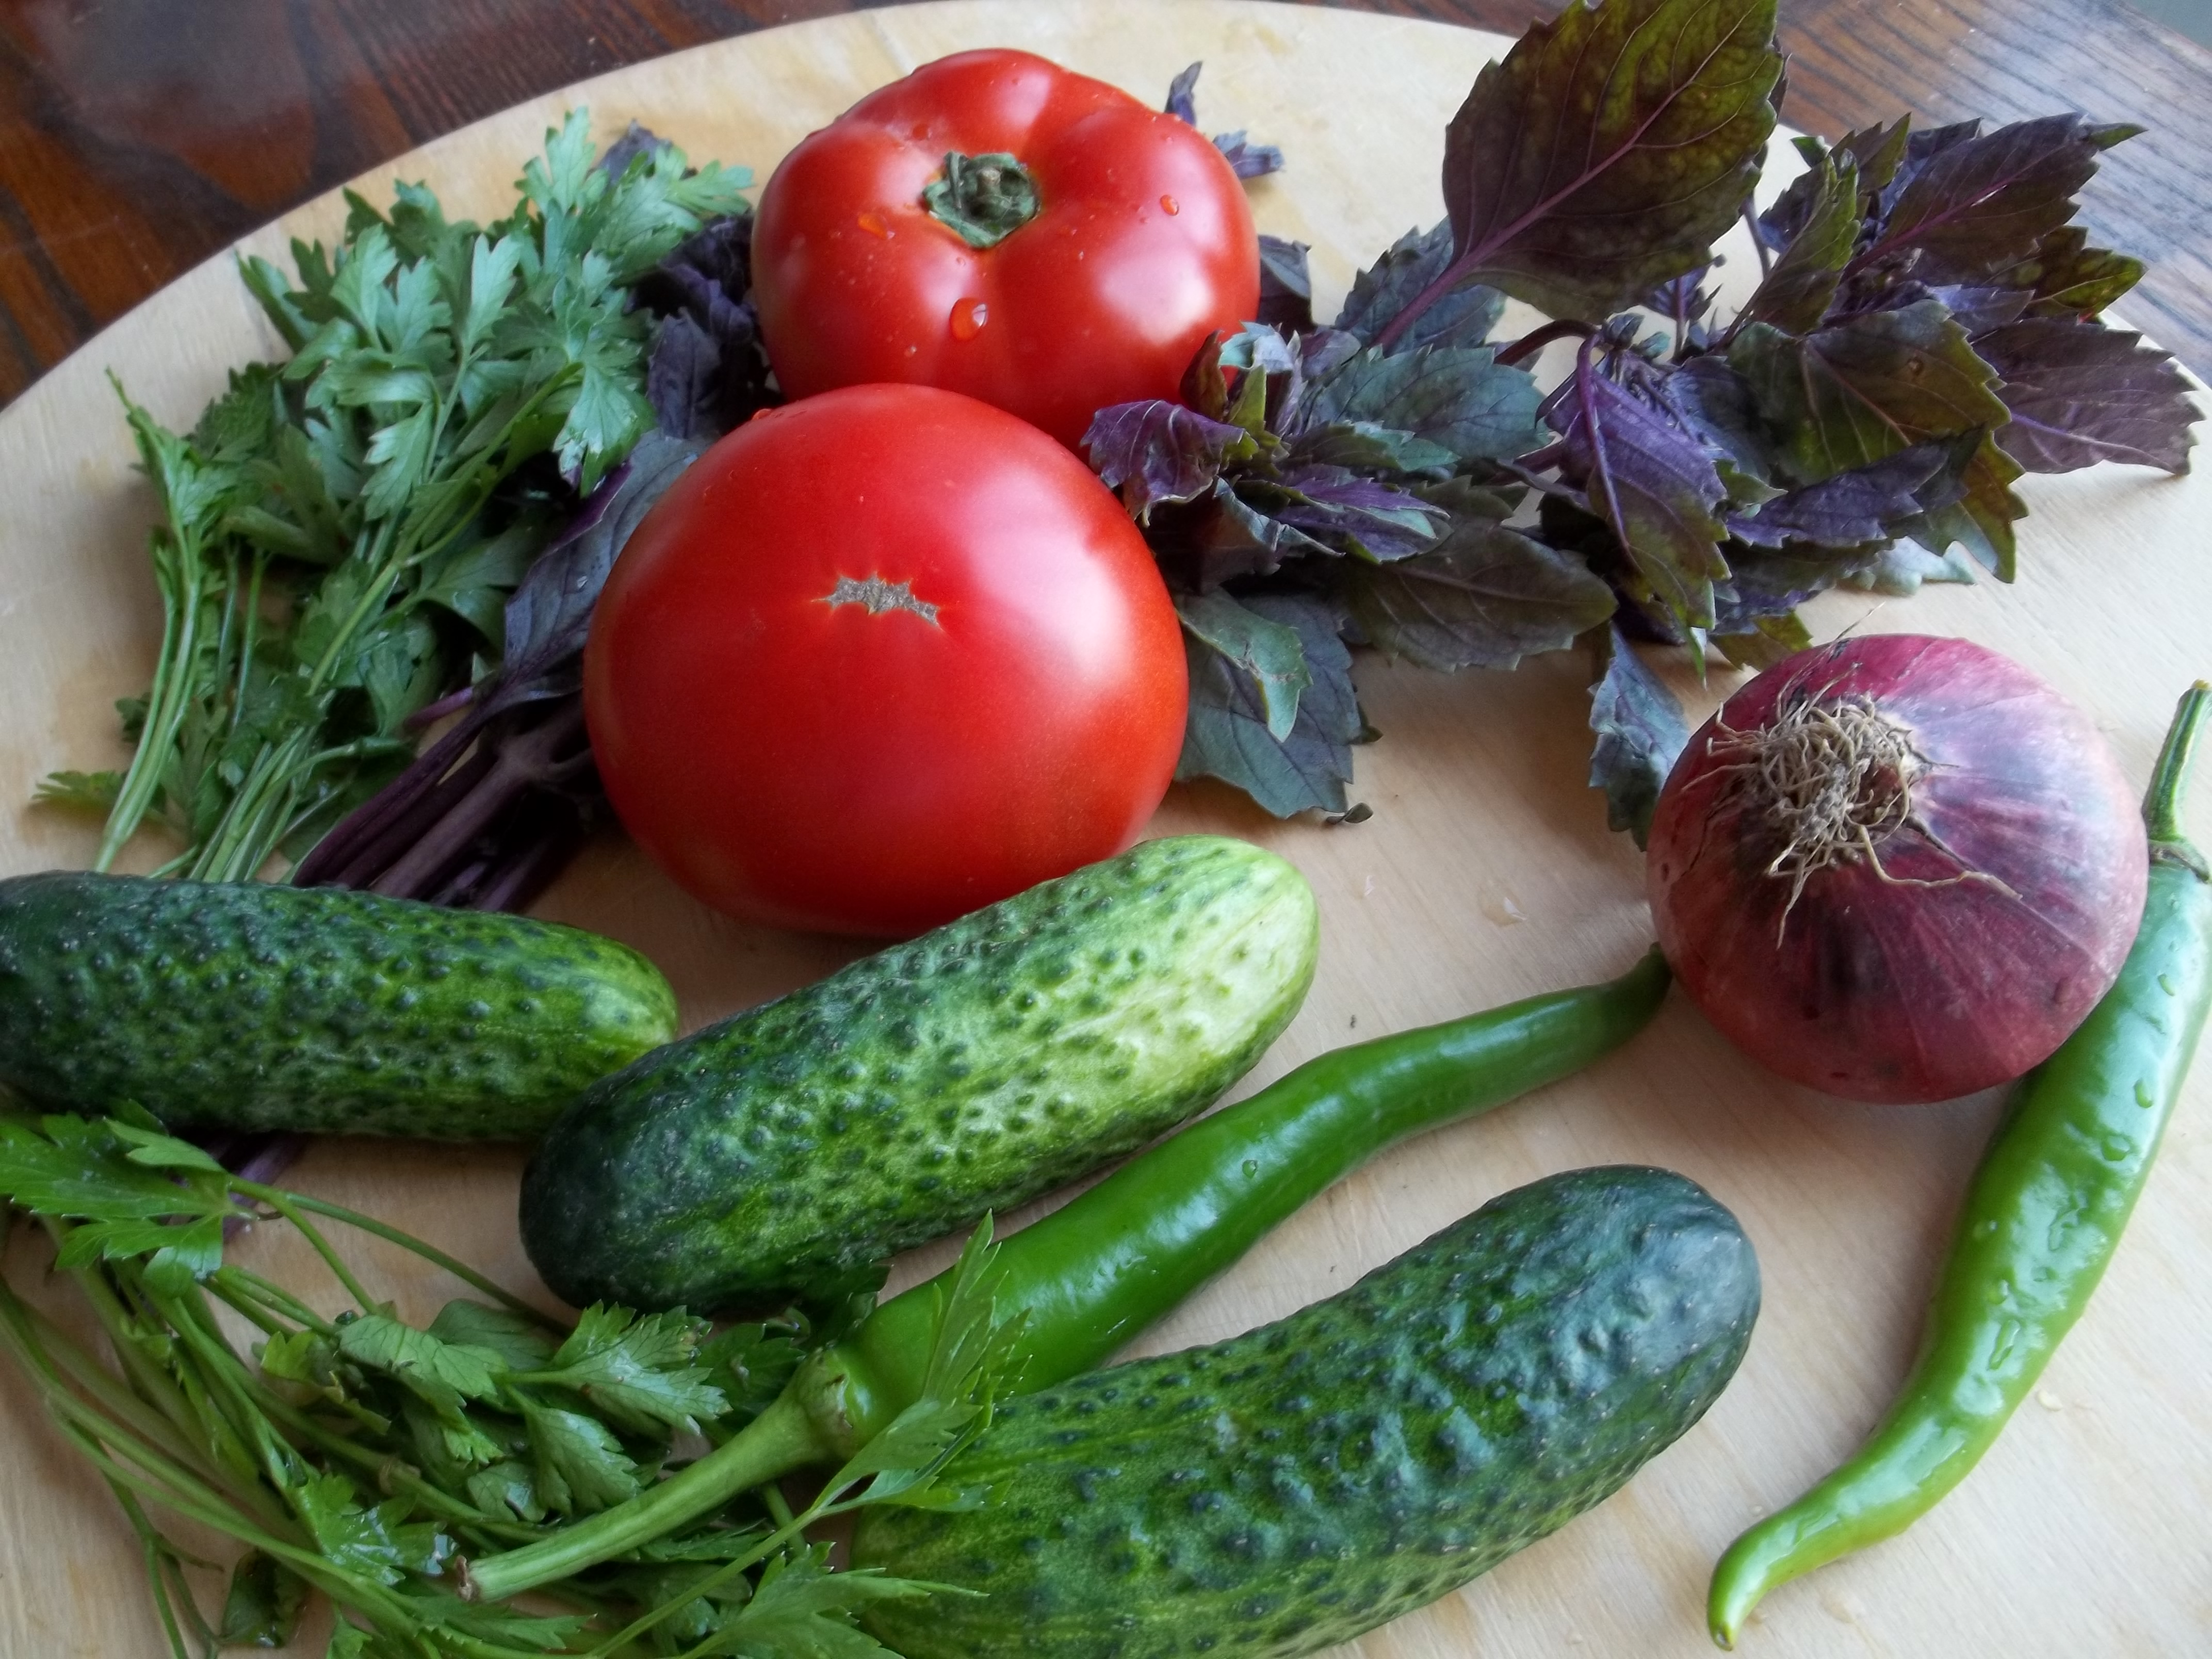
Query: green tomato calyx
[982,200]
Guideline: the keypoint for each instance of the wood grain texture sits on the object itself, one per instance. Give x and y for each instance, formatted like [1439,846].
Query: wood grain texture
[1487,873]
[137,136]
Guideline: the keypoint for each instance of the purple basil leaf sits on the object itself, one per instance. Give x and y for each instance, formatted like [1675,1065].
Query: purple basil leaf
[1181,103]
[1796,294]
[1861,390]
[1984,202]
[1979,308]
[1981,519]
[1920,149]
[1376,521]
[1459,397]
[1711,401]
[1246,158]
[708,371]
[2067,277]
[1463,317]
[1653,483]
[682,379]
[1269,653]
[1218,538]
[1640,730]
[707,274]
[1873,152]
[1157,452]
[2081,393]
[1285,285]
[1227,736]
[1363,444]
[1684,300]
[1862,505]
[636,140]
[1483,597]
[1609,150]
[1765,641]
[551,610]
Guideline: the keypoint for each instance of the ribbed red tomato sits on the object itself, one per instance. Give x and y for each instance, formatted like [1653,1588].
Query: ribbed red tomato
[1125,240]
[881,657]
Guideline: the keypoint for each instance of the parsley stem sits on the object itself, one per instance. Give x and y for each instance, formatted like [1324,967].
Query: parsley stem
[47,1356]
[274,1297]
[283,1203]
[177,566]
[780,1439]
[391,1235]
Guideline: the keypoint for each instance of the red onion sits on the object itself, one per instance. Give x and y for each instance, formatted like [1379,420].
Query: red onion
[1897,868]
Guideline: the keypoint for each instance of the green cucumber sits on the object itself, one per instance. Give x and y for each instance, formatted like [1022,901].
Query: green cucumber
[1290,1488]
[993,1060]
[249,1005]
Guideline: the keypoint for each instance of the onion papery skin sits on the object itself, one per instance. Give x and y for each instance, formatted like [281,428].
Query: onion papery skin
[1897,994]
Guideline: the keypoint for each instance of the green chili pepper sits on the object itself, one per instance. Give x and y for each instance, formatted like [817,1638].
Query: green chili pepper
[2047,1205]
[1096,1272]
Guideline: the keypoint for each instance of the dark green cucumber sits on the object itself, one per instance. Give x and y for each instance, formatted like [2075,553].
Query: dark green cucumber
[248,1006]
[987,1062]
[1286,1490]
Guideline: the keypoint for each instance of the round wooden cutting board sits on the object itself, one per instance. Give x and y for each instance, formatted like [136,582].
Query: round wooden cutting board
[1485,873]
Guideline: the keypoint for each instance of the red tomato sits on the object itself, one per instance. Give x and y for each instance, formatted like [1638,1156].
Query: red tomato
[880,657]
[1141,246]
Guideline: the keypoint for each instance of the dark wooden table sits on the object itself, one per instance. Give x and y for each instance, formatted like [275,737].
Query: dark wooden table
[137,136]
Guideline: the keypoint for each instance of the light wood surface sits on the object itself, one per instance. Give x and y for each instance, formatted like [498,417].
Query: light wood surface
[1487,873]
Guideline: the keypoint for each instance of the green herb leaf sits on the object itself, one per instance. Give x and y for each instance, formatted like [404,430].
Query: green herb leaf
[1607,152]
[580,1466]
[80,792]
[521,1345]
[802,1610]
[68,1168]
[442,1374]
[375,1543]
[262,1607]
[637,1371]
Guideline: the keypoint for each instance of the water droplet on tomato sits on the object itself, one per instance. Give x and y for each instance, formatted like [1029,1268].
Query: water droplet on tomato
[1167,206]
[872,225]
[968,317]
[2145,1098]
[2166,983]
[1251,1168]
[2117,1149]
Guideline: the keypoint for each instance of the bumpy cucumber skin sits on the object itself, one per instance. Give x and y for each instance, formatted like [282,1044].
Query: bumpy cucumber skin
[1289,1489]
[249,1005]
[992,1060]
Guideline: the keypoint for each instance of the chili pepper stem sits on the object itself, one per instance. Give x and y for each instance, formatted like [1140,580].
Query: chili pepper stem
[2169,776]
[2041,1217]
